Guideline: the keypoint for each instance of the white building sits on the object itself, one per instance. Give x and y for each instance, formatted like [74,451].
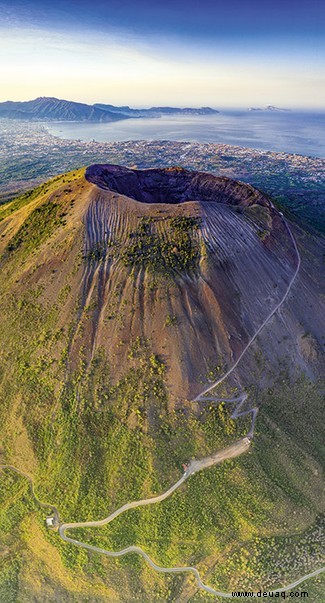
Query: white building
[50,522]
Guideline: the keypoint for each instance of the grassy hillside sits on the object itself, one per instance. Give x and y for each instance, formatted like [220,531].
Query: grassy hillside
[98,425]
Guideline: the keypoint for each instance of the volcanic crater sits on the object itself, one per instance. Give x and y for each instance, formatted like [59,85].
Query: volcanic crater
[173,185]
[189,262]
[194,264]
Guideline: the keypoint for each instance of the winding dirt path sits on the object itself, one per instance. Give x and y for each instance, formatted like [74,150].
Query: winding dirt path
[196,465]
[232,451]
[44,505]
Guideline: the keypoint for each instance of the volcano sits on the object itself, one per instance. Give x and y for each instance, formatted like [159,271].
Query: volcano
[190,262]
[125,296]
[199,263]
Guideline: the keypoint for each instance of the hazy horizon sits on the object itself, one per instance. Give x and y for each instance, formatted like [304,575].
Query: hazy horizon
[134,105]
[178,53]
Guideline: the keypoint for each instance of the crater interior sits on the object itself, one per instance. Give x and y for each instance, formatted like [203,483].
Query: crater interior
[173,185]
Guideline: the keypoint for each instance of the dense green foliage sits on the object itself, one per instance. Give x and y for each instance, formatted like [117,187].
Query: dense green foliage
[112,443]
[179,253]
[39,225]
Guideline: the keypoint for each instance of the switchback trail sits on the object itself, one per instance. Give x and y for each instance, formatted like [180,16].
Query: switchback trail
[135,549]
[195,465]
[240,400]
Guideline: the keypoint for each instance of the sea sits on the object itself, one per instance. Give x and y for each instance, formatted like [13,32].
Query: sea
[301,133]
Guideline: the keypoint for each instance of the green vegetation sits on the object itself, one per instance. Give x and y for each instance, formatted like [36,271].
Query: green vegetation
[179,253]
[6,209]
[9,208]
[9,580]
[96,253]
[39,225]
[123,439]
[263,234]
[99,251]
[94,437]
[171,320]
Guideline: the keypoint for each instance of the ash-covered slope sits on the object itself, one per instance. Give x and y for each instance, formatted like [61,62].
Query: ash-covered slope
[189,262]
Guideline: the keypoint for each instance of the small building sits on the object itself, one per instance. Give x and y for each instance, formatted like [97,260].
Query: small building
[50,522]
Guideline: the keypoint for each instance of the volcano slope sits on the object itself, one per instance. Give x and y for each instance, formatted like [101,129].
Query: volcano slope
[124,295]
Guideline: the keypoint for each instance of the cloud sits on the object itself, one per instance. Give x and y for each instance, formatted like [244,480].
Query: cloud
[125,68]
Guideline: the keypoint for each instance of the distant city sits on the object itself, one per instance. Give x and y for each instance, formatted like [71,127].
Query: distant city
[29,155]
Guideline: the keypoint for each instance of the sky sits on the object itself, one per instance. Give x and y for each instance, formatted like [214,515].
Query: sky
[230,53]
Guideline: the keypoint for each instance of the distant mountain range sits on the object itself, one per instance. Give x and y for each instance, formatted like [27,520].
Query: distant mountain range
[268,108]
[49,108]
[156,111]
